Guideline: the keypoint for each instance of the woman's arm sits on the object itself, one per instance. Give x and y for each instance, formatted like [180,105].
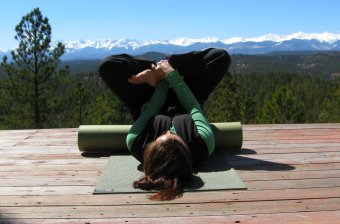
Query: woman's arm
[149,109]
[192,107]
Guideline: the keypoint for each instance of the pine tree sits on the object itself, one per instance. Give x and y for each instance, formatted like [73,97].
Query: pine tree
[34,80]
[225,103]
[283,107]
[331,108]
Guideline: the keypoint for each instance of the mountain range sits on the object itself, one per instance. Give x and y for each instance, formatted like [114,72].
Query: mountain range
[96,49]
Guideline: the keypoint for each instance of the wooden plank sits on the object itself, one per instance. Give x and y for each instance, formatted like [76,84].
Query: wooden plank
[7,143]
[50,173]
[308,155]
[256,127]
[45,178]
[64,143]
[246,154]
[289,175]
[41,168]
[286,150]
[56,133]
[319,217]
[295,132]
[291,184]
[174,210]
[49,181]
[331,142]
[298,132]
[46,190]
[53,186]
[18,132]
[42,150]
[276,164]
[289,169]
[290,145]
[79,161]
[63,199]
[54,130]
[245,175]
[74,150]
[101,164]
[266,166]
[36,156]
[233,160]
[69,150]
[285,138]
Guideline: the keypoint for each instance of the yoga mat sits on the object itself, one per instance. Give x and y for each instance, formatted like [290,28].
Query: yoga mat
[213,174]
[111,138]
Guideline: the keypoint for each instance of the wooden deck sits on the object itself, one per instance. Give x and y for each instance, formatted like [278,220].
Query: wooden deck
[292,173]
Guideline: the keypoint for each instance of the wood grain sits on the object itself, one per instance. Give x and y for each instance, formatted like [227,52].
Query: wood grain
[292,172]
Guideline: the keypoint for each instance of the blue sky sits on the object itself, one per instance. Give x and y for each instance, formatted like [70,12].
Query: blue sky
[160,19]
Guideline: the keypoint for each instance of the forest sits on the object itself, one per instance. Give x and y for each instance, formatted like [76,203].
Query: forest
[37,90]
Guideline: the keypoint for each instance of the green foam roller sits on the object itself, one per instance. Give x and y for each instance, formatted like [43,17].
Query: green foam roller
[111,138]
[227,135]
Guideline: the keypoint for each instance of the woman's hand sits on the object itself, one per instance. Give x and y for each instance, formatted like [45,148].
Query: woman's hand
[152,76]
[149,76]
[164,67]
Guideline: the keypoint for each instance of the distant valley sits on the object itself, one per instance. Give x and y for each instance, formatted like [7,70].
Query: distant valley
[319,64]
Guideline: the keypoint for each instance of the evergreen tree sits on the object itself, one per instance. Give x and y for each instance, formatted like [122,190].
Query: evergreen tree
[83,98]
[283,107]
[331,108]
[4,105]
[107,109]
[34,80]
[225,103]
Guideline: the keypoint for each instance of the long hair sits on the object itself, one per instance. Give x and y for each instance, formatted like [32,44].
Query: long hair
[167,168]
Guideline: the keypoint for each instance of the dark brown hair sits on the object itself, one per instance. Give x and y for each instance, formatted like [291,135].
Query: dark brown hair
[167,168]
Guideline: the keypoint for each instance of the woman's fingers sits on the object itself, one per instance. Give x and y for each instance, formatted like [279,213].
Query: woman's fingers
[164,67]
[132,80]
[139,78]
[146,76]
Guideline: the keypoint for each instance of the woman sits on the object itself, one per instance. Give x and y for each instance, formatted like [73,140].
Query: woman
[170,133]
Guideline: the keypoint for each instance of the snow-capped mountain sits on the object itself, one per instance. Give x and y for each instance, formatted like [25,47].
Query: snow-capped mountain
[94,49]
[237,45]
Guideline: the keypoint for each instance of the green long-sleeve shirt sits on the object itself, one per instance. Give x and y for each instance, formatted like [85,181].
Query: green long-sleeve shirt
[186,98]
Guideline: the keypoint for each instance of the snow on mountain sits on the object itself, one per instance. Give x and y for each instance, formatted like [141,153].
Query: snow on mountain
[256,45]
[321,37]
[94,49]
[134,44]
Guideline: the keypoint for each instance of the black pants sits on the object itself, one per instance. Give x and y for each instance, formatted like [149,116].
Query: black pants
[202,71]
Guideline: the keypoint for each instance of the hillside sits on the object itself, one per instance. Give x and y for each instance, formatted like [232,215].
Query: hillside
[304,63]
[318,64]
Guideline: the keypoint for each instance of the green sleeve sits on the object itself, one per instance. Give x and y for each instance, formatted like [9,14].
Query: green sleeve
[192,107]
[149,109]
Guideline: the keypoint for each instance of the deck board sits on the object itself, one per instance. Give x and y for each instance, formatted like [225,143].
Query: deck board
[292,172]
[321,217]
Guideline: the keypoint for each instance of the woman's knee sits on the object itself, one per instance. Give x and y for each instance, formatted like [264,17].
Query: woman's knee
[103,67]
[114,64]
[214,54]
[217,60]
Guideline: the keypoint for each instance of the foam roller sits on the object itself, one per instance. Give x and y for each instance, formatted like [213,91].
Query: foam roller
[111,138]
